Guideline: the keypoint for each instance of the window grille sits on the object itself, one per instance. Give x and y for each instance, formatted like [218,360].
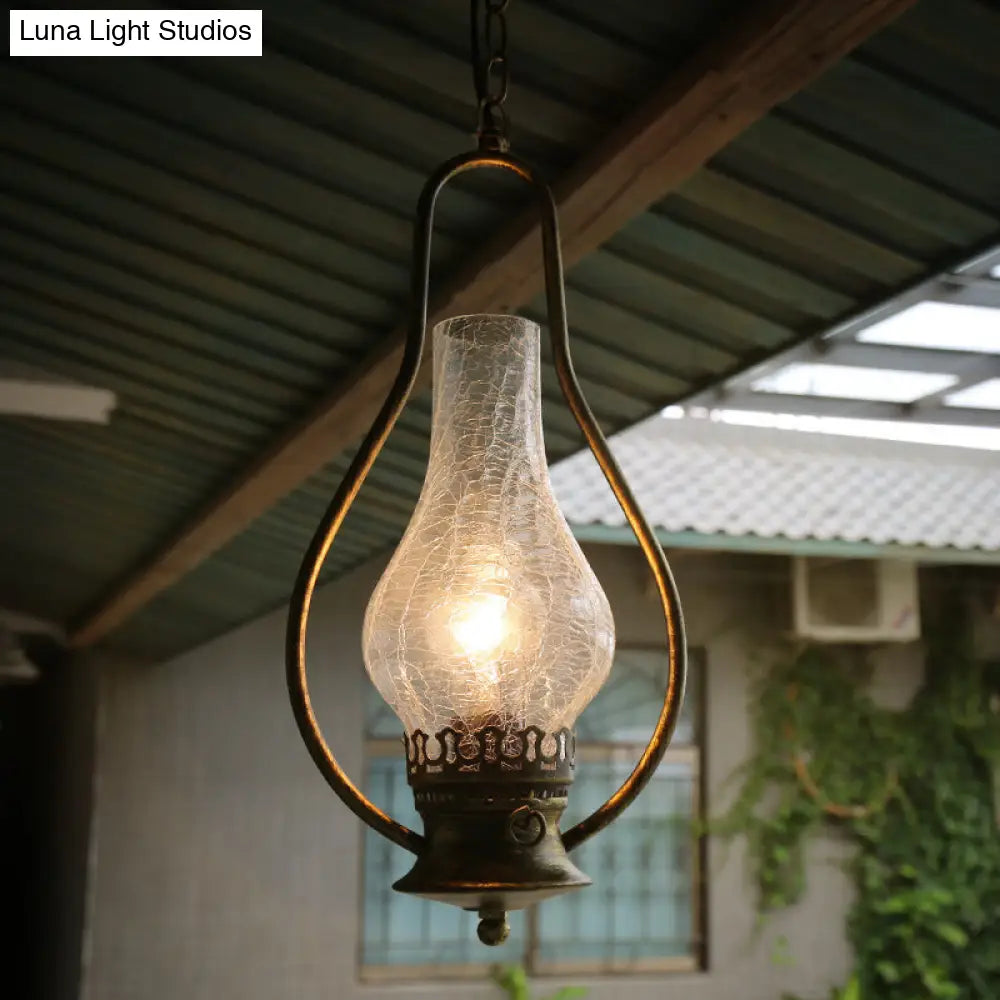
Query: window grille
[644,911]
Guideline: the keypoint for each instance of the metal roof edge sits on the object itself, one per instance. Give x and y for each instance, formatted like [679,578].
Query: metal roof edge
[604,534]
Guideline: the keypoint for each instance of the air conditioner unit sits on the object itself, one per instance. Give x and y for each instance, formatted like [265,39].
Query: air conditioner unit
[855,600]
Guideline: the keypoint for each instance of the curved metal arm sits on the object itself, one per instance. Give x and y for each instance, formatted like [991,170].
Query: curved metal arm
[312,563]
[333,518]
[372,445]
[666,587]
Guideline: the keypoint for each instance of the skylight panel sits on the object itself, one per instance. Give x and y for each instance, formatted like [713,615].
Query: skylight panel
[940,325]
[983,396]
[848,382]
[984,438]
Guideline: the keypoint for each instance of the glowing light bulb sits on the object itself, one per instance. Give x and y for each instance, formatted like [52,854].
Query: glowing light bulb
[480,627]
[488,613]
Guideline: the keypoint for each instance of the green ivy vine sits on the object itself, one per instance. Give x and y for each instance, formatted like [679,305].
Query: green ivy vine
[915,790]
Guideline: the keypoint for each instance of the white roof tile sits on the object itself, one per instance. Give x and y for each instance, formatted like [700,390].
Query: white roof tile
[712,478]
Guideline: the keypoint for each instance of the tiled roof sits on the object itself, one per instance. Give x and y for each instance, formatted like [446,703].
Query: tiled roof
[715,479]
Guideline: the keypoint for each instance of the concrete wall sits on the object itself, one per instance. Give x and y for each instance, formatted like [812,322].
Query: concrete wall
[224,868]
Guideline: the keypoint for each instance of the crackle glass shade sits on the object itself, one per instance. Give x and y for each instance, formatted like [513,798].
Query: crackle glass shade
[488,613]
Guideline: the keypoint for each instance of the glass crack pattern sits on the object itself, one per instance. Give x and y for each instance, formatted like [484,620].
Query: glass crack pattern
[488,614]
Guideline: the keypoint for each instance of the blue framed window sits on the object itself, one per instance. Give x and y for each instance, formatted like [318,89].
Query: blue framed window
[643,912]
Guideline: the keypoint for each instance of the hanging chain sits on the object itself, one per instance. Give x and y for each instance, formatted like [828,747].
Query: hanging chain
[491,72]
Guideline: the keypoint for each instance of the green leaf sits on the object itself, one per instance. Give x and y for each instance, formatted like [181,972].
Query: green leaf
[888,971]
[852,991]
[513,980]
[953,934]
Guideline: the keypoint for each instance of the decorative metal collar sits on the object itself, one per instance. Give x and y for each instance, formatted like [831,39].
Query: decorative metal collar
[491,751]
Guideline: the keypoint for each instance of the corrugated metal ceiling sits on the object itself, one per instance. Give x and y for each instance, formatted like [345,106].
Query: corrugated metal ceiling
[216,240]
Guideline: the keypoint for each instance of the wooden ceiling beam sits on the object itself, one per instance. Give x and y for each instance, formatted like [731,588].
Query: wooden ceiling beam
[766,53]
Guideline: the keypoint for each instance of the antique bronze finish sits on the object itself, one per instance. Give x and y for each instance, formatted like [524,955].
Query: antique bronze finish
[491,840]
[491,802]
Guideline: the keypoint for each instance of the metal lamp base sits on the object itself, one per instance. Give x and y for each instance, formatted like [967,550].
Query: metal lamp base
[491,803]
